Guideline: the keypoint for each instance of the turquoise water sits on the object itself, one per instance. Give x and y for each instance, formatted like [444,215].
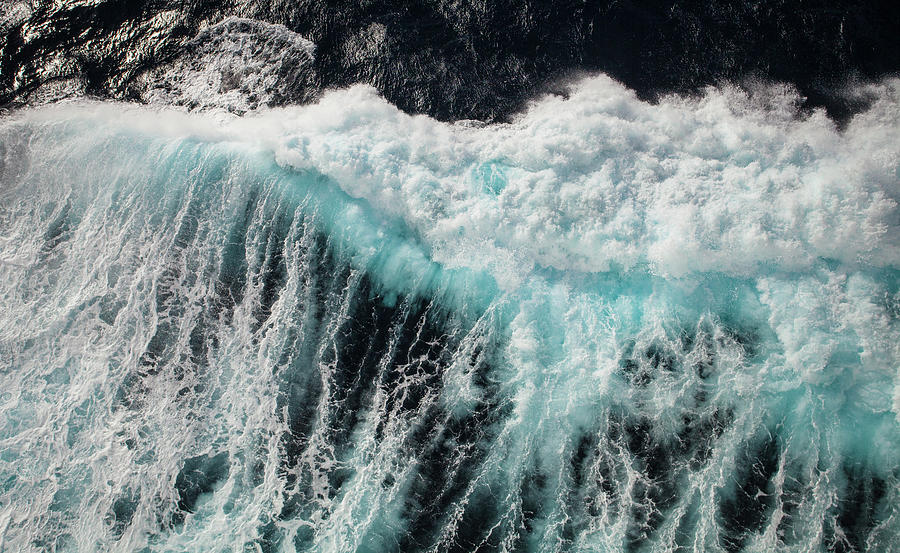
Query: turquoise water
[607,326]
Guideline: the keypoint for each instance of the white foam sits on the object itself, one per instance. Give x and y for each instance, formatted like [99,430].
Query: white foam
[602,180]
[13,13]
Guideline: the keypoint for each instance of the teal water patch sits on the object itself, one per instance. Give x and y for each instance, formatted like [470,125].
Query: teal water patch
[491,177]
[208,348]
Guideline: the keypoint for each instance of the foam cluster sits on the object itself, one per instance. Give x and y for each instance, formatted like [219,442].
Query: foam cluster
[600,181]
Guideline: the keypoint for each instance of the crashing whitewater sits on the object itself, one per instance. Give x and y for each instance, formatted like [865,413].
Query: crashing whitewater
[607,326]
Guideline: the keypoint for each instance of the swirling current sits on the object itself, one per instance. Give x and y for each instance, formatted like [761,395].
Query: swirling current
[607,325]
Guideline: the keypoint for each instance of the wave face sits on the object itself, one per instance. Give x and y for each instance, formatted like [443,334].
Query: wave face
[606,326]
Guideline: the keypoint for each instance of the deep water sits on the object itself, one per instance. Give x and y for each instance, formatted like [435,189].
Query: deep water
[607,326]
[450,59]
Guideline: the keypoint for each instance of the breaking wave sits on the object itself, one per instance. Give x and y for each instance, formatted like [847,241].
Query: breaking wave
[606,326]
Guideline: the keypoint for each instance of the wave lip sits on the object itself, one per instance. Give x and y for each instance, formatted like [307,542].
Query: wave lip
[601,181]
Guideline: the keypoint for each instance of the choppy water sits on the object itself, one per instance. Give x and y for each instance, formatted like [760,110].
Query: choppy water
[608,326]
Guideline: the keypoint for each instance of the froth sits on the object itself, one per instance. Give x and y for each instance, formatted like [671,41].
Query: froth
[602,181]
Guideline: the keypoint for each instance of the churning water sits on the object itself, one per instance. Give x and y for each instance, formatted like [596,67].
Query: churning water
[606,326]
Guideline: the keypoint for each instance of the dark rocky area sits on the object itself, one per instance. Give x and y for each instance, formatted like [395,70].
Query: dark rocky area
[465,59]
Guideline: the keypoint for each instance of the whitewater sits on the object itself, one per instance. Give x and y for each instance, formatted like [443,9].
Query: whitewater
[607,325]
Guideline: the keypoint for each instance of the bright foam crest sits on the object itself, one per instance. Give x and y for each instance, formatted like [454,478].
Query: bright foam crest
[601,181]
